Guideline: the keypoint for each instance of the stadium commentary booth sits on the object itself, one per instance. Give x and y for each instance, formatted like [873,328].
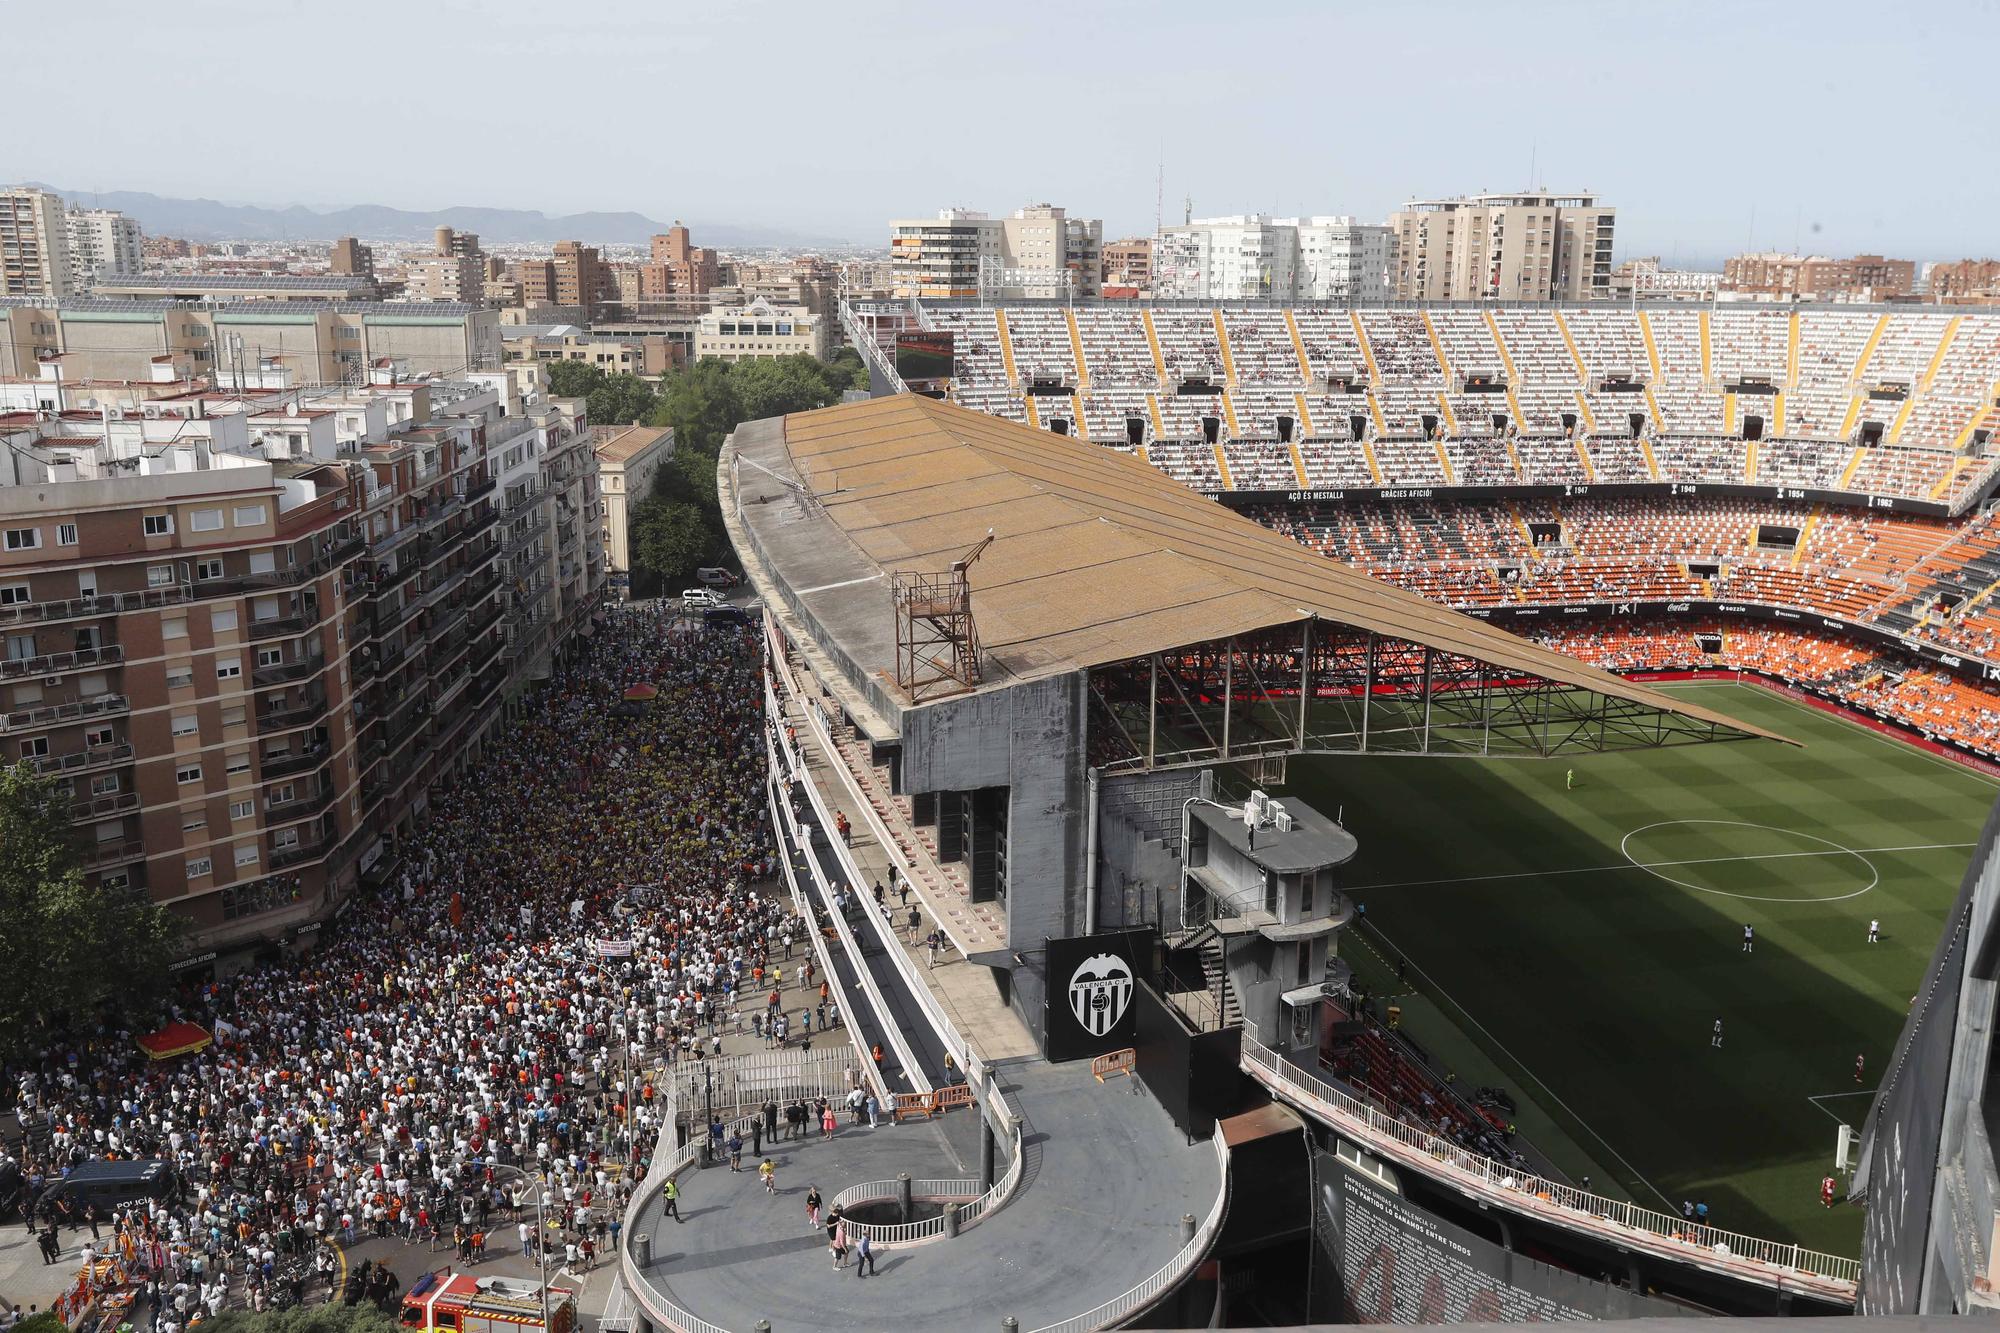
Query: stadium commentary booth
[1045,686]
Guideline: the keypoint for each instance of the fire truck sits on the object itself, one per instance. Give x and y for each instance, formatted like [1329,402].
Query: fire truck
[448,1302]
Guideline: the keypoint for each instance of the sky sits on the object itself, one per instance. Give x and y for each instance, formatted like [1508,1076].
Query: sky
[1836,127]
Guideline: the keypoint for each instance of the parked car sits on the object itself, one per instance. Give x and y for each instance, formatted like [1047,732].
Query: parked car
[698,599]
[724,615]
[110,1185]
[714,576]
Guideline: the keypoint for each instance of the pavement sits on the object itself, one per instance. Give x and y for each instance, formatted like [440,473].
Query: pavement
[1106,1179]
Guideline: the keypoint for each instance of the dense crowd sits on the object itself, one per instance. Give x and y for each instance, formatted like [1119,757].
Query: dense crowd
[462,1032]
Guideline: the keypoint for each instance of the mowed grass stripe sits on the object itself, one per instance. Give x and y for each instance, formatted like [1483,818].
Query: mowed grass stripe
[1604,983]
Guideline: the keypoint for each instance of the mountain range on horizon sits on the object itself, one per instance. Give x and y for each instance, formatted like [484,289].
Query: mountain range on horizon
[213,220]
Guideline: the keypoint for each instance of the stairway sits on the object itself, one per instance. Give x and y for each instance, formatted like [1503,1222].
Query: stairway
[1219,989]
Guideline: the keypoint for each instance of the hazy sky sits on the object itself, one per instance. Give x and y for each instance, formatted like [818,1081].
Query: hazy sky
[1847,126]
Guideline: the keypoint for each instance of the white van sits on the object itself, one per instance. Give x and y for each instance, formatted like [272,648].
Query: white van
[698,599]
[714,576]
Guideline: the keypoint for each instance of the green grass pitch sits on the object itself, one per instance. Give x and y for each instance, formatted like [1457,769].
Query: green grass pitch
[1595,982]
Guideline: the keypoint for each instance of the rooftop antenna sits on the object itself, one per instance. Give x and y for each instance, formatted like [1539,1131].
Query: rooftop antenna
[1187,214]
[1533,150]
[1160,189]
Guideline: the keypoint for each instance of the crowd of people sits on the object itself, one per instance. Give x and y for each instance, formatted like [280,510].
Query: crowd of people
[462,1039]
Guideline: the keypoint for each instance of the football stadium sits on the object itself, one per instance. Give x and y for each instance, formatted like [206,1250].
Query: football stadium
[1651,825]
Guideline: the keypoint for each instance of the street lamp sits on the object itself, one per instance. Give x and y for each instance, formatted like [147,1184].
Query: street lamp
[541,1234]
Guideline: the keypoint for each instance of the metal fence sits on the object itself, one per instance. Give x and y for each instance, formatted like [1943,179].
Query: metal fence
[1830,1274]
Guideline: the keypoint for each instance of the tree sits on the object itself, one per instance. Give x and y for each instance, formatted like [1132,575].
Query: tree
[670,540]
[621,400]
[774,386]
[335,1318]
[846,370]
[574,379]
[700,403]
[70,952]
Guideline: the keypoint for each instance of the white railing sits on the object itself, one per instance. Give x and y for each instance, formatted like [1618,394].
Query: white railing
[661,1310]
[1748,1257]
[1119,1308]
[961,1196]
[781,811]
[946,1030]
[844,862]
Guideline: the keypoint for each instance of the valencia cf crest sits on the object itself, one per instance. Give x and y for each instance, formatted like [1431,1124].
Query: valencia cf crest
[1100,990]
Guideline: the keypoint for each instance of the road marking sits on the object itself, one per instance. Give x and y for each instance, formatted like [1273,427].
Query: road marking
[340,1284]
[1522,1066]
[1829,1096]
[1650,865]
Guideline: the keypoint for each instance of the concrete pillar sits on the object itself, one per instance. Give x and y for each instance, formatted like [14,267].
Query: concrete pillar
[951,1220]
[903,1196]
[1187,1227]
[1010,1325]
[763,1326]
[642,1250]
[986,1142]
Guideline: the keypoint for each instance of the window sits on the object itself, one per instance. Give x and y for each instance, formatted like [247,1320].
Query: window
[251,516]
[96,736]
[193,821]
[200,520]
[24,539]
[222,618]
[36,748]
[159,525]
[199,867]
[104,784]
[174,627]
[285,839]
[20,647]
[65,534]
[186,724]
[116,881]
[159,576]
[247,856]
[229,668]
[179,677]
[187,773]
[270,657]
[237,764]
[13,594]
[233,716]
[208,569]
[242,809]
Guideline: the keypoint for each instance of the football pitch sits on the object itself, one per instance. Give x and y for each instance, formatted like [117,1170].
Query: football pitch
[1581,943]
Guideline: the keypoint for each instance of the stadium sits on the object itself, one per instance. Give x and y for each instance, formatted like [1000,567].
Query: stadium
[1695,601]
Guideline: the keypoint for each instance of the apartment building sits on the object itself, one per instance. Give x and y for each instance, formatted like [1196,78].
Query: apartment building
[1965,281]
[1527,246]
[573,276]
[310,341]
[249,648]
[101,240]
[678,265]
[1038,252]
[760,330]
[1818,278]
[34,244]
[1128,262]
[615,354]
[629,459]
[454,271]
[1255,256]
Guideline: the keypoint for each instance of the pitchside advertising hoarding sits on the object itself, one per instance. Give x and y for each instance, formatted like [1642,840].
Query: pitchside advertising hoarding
[1890,504]
[1382,1259]
[1091,984]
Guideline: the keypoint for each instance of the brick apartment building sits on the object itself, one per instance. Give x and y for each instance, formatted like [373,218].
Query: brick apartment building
[1818,278]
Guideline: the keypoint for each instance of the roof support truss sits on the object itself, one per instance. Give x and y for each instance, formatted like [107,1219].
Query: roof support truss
[1318,687]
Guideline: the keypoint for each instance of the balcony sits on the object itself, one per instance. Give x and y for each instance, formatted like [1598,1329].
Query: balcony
[287,671]
[302,762]
[384,619]
[307,849]
[52,715]
[117,603]
[303,807]
[54,664]
[101,807]
[479,489]
[429,516]
[272,628]
[381,546]
[284,719]
[106,854]
[77,761]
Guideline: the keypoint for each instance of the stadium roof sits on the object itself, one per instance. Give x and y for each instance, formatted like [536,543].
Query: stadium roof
[1099,558]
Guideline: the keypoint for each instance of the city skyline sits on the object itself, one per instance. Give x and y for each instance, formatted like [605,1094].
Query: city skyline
[1283,111]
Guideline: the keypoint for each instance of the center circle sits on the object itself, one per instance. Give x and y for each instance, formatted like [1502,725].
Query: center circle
[1710,855]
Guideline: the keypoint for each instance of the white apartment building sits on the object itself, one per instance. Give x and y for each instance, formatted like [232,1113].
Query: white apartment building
[34,244]
[1255,256]
[101,240]
[761,330]
[1039,252]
